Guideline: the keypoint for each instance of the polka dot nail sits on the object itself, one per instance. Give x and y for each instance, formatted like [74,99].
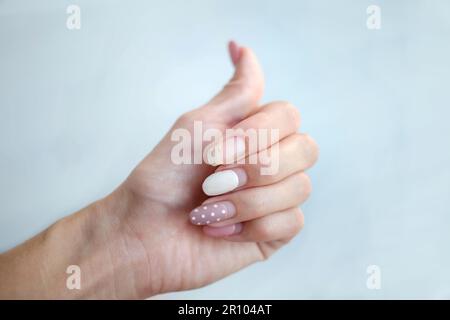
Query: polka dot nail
[212,213]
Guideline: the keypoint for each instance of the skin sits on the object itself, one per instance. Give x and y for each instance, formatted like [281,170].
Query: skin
[138,241]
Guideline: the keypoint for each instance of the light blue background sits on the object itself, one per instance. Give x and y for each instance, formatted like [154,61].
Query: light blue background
[79,109]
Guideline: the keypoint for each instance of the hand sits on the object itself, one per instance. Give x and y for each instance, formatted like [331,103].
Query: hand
[257,218]
[158,231]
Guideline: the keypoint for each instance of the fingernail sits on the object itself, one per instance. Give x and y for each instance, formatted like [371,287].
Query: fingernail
[226,151]
[224,181]
[212,213]
[223,231]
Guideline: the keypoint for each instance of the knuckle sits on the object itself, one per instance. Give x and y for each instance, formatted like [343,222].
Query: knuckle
[264,231]
[312,149]
[289,113]
[304,185]
[264,118]
[307,186]
[304,148]
[298,141]
[292,113]
[298,222]
[266,251]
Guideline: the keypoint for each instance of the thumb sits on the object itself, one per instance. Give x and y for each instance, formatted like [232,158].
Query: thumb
[241,95]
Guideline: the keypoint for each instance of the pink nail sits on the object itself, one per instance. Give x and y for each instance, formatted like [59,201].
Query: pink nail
[223,231]
[212,213]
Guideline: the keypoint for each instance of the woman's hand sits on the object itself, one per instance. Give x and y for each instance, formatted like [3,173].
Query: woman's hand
[159,232]
[245,225]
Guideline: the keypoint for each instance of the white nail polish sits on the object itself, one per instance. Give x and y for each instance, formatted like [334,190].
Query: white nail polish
[234,149]
[220,182]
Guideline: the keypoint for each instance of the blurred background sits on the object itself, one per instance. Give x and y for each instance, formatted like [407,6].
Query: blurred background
[80,108]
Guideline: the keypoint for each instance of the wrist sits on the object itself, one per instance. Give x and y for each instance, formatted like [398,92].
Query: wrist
[114,259]
[95,239]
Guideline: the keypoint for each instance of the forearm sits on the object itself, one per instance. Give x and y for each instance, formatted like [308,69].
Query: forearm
[91,239]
